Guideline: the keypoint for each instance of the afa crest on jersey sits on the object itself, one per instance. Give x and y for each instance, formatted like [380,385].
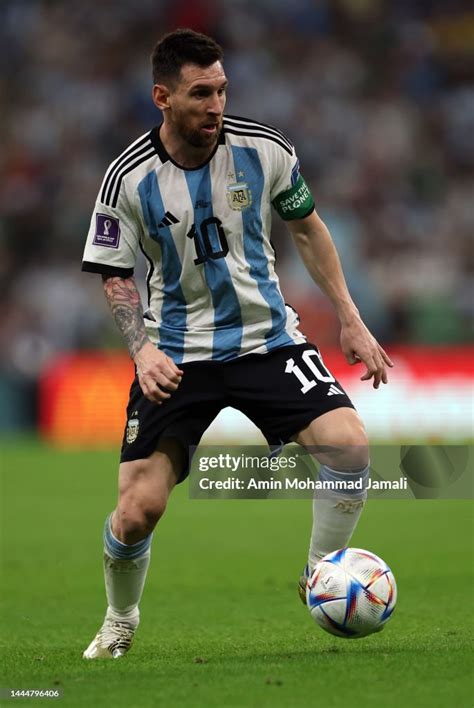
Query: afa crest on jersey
[239,196]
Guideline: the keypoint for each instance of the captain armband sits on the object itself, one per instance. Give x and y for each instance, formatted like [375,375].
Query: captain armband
[296,202]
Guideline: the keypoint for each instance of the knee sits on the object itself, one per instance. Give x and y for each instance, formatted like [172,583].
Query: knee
[142,502]
[352,452]
[355,446]
[136,518]
[345,445]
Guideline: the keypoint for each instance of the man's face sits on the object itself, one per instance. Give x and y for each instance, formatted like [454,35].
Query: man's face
[196,104]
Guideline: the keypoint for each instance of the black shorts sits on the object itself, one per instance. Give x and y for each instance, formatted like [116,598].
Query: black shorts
[281,392]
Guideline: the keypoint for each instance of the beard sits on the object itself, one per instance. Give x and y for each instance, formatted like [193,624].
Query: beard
[194,136]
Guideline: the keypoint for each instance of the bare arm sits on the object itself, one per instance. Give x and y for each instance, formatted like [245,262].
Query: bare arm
[157,373]
[320,257]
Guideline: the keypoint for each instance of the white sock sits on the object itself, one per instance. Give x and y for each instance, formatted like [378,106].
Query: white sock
[336,512]
[124,582]
[125,571]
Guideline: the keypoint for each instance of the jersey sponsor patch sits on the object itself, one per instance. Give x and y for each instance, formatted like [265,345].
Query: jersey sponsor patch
[107,231]
[296,202]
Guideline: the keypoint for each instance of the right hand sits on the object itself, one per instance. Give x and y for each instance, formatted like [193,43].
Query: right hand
[157,373]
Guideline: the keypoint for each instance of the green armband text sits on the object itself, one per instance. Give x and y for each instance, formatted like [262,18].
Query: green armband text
[296,202]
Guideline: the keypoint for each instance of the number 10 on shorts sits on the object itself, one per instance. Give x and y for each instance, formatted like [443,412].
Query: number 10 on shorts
[314,362]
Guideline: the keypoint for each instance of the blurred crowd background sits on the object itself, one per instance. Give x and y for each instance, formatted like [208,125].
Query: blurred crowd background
[377,96]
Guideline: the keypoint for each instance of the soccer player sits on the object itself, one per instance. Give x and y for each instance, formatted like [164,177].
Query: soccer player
[195,196]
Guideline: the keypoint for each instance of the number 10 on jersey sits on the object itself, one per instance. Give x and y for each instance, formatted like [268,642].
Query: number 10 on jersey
[202,240]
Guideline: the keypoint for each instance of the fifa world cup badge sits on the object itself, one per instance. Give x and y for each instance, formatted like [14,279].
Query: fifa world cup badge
[132,430]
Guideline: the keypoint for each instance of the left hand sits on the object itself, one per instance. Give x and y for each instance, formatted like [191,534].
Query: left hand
[358,345]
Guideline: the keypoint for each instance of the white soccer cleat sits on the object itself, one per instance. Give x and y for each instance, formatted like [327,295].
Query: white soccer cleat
[112,641]
[302,583]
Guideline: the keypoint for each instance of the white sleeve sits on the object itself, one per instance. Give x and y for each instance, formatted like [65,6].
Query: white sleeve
[113,238]
[285,170]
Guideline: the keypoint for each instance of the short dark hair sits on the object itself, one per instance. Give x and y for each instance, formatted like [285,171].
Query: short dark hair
[183,46]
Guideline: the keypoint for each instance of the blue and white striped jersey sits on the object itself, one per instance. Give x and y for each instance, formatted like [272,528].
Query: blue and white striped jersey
[205,232]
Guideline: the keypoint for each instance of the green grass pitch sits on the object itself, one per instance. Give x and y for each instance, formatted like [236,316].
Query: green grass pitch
[221,621]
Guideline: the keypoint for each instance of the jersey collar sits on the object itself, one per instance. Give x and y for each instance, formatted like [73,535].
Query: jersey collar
[165,157]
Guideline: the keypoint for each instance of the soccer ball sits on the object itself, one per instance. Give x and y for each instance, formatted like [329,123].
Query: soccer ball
[351,593]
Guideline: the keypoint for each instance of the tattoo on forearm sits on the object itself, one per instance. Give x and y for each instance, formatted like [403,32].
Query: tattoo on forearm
[124,301]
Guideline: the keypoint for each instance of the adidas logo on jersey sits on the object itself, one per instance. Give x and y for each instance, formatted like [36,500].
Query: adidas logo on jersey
[167,220]
[334,391]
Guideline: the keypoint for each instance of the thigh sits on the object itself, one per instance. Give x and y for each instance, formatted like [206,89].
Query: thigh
[284,391]
[153,477]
